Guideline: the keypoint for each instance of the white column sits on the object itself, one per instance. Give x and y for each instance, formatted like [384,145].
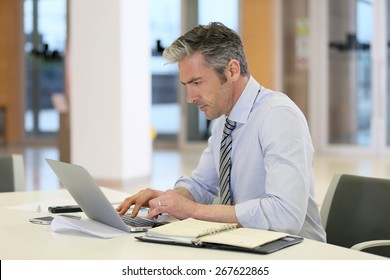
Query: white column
[110,88]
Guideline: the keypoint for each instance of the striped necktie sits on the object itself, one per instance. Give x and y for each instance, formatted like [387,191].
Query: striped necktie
[225,163]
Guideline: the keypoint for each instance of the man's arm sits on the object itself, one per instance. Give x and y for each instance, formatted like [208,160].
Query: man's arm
[216,213]
[180,204]
[184,192]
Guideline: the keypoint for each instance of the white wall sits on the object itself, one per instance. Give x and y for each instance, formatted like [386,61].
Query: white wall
[110,88]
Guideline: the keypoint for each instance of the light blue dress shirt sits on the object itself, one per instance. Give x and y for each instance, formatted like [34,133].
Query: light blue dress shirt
[271,175]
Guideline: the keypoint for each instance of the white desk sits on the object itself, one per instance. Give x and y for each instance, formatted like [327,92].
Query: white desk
[20,239]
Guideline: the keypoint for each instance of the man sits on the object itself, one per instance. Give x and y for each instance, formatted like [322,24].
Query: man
[263,174]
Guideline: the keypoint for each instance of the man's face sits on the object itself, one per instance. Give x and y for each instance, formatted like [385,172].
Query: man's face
[204,87]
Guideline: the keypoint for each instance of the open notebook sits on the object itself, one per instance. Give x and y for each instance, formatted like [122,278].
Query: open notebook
[93,202]
[198,233]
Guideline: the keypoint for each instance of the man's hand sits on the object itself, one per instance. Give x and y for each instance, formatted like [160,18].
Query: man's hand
[141,199]
[174,203]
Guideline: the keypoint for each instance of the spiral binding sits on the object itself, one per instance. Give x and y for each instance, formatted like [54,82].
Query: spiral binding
[217,230]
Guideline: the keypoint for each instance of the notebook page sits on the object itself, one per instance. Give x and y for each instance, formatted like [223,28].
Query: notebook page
[243,237]
[190,228]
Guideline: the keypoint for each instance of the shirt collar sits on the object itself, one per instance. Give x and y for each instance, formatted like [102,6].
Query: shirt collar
[242,108]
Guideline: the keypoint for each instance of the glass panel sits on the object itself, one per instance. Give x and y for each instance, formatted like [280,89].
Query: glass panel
[165,28]
[211,11]
[350,99]
[45,33]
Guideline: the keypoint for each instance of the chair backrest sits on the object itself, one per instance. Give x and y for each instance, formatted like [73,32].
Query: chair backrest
[12,175]
[357,209]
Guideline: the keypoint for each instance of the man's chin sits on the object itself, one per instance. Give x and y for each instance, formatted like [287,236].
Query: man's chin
[210,117]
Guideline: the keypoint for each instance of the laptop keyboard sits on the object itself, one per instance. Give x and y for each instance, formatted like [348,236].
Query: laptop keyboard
[137,221]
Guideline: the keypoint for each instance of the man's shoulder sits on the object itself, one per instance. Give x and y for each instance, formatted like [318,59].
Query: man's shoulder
[270,99]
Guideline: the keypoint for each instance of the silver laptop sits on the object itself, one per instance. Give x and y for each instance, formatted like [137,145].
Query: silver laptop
[92,201]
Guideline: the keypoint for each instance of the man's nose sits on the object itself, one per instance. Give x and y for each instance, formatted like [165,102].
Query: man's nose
[191,96]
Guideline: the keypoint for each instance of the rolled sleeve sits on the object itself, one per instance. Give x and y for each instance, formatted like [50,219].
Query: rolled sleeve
[249,214]
[199,192]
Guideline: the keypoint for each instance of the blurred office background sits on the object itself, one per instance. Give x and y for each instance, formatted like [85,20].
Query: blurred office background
[85,82]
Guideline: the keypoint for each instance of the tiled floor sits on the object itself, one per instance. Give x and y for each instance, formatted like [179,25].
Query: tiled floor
[168,164]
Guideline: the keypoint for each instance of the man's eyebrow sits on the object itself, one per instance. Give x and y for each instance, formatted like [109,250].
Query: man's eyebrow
[190,81]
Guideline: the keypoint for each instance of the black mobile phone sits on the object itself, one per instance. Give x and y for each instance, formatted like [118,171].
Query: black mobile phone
[46,220]
[64,209]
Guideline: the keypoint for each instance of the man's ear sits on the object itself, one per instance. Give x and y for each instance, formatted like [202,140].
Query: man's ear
[234,69]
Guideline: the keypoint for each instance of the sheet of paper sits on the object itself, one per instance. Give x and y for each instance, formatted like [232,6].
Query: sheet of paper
[90,227]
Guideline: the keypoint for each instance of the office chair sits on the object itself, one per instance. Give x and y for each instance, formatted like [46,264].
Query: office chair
[355,213]
[12,177]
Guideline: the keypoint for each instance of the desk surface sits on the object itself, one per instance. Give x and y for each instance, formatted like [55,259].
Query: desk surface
[20,239]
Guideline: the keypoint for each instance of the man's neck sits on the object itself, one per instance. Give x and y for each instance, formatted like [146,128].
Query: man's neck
[239,87]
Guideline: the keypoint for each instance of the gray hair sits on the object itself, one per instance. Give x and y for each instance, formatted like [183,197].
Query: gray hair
[216,42]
